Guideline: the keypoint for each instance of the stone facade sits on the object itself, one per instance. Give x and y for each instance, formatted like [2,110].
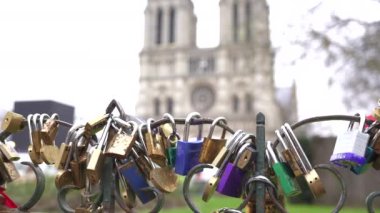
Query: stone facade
[234,79]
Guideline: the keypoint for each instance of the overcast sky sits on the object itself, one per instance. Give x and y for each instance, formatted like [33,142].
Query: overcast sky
[85,53]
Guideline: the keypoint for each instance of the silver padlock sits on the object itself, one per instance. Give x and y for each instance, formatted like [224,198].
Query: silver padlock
[350,146]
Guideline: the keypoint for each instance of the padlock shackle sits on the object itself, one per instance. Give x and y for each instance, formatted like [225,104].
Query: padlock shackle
[115,104]
[75,142]
[142,137]
[30,127]
[214,124]
[143,141]
[103,137]
[127,124]
[171,120]
[188,119]
[281,139]
[240,152]
[362,122]
[305,163]
[35,122]
[43,120]
[272,155]
[233,143]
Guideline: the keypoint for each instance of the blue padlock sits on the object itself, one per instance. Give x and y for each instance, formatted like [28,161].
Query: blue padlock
[188,150]
[137,180]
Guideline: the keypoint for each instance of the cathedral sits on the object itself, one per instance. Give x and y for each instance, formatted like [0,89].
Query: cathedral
[234,79]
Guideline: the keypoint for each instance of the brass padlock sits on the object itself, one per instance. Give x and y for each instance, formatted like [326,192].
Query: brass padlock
[50,129]
[35,140]
[311,176]
[9,151]
[164,179]
[155,150]
[63,178]
[289,157]
[13,122]
[212,146]
[315,183]
[94,126]
[142,162]
[62,155]
[121,144]
[65,150]
[246,159]
[64,175]
[78,165]
[95,165]
[8,170]
[218,160]
[48,151]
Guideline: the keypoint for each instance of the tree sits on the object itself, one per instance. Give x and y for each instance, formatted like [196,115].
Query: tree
[355,58]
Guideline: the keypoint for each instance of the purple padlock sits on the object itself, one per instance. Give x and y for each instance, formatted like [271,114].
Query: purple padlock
[231,182]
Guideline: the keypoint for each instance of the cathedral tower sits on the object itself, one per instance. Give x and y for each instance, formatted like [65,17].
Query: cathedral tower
[234,80]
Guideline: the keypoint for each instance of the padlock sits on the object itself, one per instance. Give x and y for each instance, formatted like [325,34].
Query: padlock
[64,176]
[222,162]
[127,194]
[289,156]
[78,164]
[136,179]
[95,165]
[369,158]
[246,161]
[122,142]
[212,146]
[311,176]
[9,151]
[94,126]
[217,162]
[164,179]
[50,129]
[35,140]
[171,151]
[170,138]
[12,122]
[284,174]
[8,170]
[48,151]
[65,148]
[231,181]
[188,150]
[166,129]
[155,149]
[350,146]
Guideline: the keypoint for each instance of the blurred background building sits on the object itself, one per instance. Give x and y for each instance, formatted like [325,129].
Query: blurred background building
[234,79]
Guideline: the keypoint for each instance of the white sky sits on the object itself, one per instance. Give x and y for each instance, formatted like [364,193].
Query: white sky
[85,53]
